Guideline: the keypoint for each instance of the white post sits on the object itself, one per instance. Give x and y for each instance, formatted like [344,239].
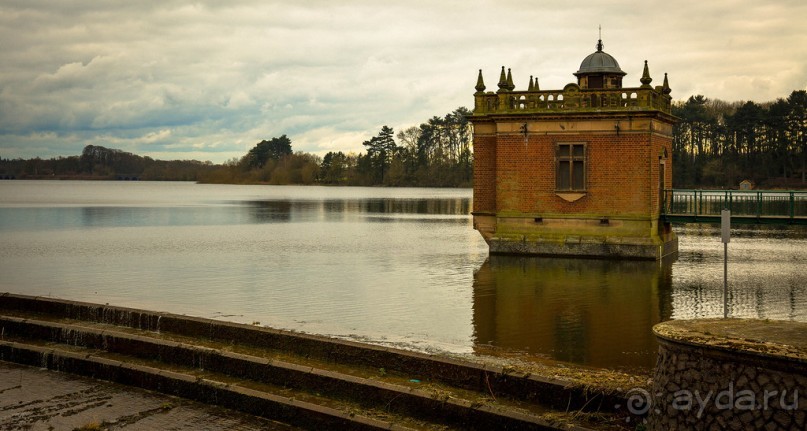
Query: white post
[725,229]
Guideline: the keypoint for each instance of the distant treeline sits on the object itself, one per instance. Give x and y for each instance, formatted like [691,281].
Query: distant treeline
[719,144]
[96,162]
[715,144]
[437,153]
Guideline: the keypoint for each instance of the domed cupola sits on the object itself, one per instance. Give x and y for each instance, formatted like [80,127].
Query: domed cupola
[599,70]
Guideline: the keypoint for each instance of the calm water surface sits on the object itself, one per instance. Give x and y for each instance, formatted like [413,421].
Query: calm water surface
[399,267]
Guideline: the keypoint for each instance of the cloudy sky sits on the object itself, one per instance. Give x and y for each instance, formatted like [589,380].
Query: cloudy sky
[207,80]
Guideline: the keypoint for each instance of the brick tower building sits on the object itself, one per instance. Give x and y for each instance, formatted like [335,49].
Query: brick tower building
[574,172]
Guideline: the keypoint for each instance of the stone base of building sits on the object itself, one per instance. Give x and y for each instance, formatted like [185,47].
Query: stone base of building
[595,238]
[589,247]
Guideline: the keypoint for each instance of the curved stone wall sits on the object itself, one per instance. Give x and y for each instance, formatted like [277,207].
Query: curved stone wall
[730,374]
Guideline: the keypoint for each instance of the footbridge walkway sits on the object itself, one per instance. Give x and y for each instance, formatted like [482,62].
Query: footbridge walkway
[746,206]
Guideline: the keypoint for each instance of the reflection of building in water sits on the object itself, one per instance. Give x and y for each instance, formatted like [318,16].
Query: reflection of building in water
[592,312]
[578,171]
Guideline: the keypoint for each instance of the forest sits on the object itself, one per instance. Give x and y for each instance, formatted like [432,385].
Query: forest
[716,144]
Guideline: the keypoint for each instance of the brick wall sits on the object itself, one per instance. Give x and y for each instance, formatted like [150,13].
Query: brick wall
[484,173]
[622,174]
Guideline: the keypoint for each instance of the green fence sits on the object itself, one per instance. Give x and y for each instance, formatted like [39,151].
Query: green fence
[757,206]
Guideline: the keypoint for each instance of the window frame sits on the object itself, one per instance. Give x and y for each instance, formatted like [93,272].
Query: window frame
[571,159]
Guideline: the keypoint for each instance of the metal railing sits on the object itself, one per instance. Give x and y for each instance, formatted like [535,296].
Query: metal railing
[746,206]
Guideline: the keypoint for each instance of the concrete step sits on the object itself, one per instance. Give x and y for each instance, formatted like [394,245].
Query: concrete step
[209,389]
[440,406]
[34,398]
[444,392]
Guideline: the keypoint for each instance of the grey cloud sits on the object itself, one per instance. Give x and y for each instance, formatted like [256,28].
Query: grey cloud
[169,77]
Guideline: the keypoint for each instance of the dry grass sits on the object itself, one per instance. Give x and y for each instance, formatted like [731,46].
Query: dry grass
[596,379]
[92,426]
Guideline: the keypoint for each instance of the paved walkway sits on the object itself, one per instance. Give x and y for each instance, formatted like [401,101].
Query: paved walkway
[37,399]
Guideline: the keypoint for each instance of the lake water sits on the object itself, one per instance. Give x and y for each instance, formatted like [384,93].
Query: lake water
[391,266]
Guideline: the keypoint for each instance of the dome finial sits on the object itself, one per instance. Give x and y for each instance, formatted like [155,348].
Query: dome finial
[599,41]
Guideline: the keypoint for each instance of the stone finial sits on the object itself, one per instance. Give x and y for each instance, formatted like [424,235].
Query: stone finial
[529,87]
[646,79]
[480,83]
[666,87]
[502,81]
[536,87]
[510,85]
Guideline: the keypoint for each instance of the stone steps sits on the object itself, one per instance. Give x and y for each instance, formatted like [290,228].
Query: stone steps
[304,380]
[285,408]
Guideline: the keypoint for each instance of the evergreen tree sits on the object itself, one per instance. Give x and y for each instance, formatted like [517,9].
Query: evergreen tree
[380,150]
[273,149]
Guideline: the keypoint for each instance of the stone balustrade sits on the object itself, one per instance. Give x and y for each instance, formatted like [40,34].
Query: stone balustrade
[571,98]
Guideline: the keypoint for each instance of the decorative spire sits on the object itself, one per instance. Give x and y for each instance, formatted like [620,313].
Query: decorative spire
[599,42]
[480,83]
[502,81]
[535,87]
[510,85]
[529,87]
[666,87]
[646,79]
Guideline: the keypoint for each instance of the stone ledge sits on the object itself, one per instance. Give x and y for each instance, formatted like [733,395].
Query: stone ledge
[773,338]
